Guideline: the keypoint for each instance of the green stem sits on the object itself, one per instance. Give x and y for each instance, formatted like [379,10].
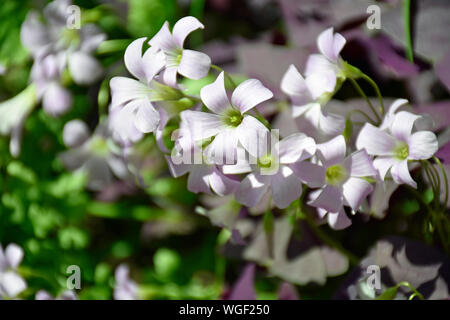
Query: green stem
[354,260]
[227,75]
[361,92]
[377,91]
[407,26]
[444,175]
[414,290]
[362,113]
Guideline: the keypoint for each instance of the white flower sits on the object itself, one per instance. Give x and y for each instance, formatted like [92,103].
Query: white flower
[125,288]
[394,144]
[340,178]
[275,172]
[93,154]
[11,284]
[230,122]
[306,96]
[188,63]
[13,113]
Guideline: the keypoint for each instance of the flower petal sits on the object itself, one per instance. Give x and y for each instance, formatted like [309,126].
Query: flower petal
[338,220]
[330,44]
[355,190]
[75,133]
[124,90]
[169,76]
[383,164]
[253,136]
[375,141]
[184,27]
[422,145]
[147,118]
[198,180]
[223,149]
[214,95]
[330,124]
[296,147]
[330,199]
[400,174]
[133,58]
[194,65]
[177,170]
[332,152]
[286,187]
[402,125]
[221,184]
[294,85]
[84,68]
[311,174]
[360,164]
[252,189]
[57,100]
[317,63]
[202,125]
[321,82]
[12,284]
[164,39]
[249,94]
[13,255]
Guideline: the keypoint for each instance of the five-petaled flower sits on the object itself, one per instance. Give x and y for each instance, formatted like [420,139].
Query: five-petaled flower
[394,143]
[230,123]
[341,180]
[190,64]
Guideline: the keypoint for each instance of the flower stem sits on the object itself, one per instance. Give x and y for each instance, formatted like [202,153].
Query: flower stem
[362,113]
[354,260]
[377,90]
[361,92]
[444,175]
[407,28]
[227,75]
[414,290]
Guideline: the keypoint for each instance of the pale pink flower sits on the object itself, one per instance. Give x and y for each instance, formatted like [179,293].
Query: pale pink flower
[125,288]
[132,98]
[230,122]
[396,142]
[307,96]
[275,172]
[190,64]
[340,178]
[11,284]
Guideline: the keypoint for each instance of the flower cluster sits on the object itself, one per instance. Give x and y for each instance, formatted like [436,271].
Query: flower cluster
[228,148]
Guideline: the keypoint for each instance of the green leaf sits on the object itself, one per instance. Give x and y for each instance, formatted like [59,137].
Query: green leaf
[388,294]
